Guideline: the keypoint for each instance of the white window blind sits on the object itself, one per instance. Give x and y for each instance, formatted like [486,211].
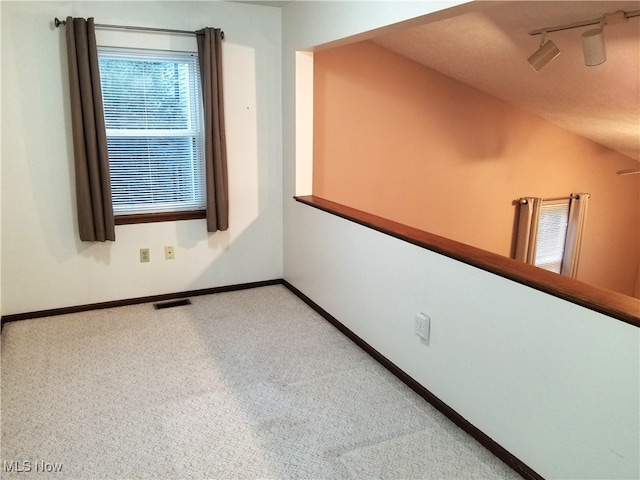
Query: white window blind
[153,115]
[551,236]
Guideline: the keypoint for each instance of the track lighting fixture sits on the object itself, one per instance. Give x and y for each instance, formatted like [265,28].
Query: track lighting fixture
[593,47]
[541,57]
[592,40]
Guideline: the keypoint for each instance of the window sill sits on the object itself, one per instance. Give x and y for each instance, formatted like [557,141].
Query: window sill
[608,302]
[159,217]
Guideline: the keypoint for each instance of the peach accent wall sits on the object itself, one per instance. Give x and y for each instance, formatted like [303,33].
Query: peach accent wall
[399,140]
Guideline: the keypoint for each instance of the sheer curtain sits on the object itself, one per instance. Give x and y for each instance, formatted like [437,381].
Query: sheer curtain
[575,229]
[210,56]
[528,217]
[93,184]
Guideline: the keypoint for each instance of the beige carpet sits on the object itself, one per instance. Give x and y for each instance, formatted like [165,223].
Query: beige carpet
[239,385]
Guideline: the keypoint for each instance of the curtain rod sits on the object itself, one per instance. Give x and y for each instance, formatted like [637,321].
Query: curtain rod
[570,197]
[57,22]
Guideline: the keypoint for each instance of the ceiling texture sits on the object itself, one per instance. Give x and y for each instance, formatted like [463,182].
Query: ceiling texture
[487,46]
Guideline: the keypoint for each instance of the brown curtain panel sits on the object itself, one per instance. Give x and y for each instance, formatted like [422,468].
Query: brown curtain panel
[217,189]
[93,183]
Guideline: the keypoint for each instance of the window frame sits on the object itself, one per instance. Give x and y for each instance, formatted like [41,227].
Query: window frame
[137,54]
[135,218]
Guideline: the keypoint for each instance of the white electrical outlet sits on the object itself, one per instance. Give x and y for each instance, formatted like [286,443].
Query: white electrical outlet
[423,326]
[169,254]
[144,255]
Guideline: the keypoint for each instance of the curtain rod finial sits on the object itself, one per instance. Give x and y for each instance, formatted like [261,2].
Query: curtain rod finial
[57,22]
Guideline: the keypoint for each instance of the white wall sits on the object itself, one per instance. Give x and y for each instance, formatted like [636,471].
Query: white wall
[44,265]
[555,384]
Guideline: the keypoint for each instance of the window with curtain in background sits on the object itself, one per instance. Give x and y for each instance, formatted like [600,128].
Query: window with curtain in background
[154,124]
[550,232]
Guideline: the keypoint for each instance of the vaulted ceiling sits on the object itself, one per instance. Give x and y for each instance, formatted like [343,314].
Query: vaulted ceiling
[487,48]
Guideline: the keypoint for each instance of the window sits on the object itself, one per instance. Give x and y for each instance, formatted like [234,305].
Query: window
[153,117]
[552,235]
[550,232]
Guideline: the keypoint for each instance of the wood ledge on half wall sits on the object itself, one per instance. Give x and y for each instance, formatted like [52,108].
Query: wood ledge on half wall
[608,302]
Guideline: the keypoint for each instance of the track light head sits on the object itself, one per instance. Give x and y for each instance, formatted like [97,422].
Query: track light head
[592,40]
[547,52]
[593,47]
